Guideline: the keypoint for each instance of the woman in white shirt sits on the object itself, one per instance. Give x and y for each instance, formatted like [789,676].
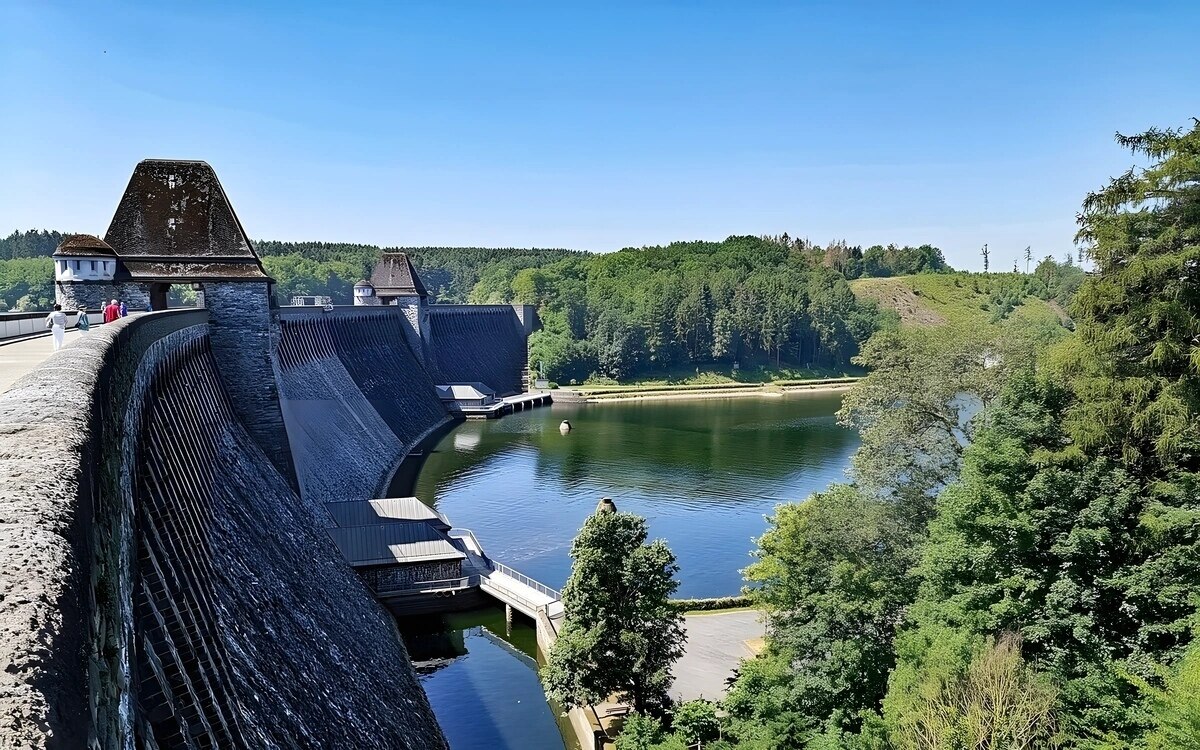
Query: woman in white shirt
[57,323]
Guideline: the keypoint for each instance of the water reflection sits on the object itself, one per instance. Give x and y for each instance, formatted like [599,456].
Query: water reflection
[481,679]
[703,472]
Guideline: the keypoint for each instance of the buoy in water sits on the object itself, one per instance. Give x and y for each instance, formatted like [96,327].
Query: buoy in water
[564,427]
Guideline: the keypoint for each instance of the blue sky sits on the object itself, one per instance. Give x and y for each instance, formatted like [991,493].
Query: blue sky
[595,126]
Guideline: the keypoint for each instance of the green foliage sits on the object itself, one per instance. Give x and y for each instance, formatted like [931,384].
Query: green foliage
[714,604]
[450,274]
[832,575]
[31,244]
[902,261]
[1137,363]
[637,311]
[995,701]
[1051,500]
[27,283]
[641,732]
[1175,707]
[696,722]
[621,634]
[970,300]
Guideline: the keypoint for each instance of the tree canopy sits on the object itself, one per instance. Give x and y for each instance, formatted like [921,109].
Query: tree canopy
[620,635]
[1016,562]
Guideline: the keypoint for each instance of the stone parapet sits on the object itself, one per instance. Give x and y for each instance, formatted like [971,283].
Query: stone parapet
[62,637]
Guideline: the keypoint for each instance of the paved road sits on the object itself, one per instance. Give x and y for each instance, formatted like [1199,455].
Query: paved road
[20,357]
[716,643]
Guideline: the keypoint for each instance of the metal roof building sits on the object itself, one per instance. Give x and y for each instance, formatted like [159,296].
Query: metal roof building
[385,510]
[394,543]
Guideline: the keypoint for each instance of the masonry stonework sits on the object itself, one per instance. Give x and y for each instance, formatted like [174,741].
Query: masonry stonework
[240,319]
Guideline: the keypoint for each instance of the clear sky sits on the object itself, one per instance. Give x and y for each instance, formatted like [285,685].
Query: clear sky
[595,126]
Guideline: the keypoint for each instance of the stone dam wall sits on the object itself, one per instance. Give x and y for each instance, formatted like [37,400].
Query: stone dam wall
[479,343]
[355,401]
[161,583]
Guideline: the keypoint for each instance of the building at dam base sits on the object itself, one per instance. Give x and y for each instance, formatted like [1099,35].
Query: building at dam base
[170,578]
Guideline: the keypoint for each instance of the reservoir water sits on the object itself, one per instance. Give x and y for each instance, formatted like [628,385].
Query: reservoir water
[704,473]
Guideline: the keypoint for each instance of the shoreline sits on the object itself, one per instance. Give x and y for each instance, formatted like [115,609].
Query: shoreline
[670,393]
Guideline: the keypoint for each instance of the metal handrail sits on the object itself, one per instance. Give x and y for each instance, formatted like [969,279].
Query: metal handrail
[531,583]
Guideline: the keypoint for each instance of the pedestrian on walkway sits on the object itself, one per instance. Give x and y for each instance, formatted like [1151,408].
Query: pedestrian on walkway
[83,323]
[123,310]
[111,312]
[57,323]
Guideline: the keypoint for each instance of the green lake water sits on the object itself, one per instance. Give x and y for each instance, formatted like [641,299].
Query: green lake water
[703,472]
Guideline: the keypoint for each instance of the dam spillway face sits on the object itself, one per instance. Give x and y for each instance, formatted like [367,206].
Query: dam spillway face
[249,629]
[479,344]
[355,402]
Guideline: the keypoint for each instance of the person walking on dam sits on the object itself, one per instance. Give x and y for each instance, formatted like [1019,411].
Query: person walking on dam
[83,323]
[111,311]
[57,323]
[123,310]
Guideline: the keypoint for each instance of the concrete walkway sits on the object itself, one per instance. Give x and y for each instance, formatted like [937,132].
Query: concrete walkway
[21,357]
[716,643]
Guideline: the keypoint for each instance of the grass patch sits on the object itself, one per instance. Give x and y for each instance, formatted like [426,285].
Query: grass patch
[959,299]
[724,376]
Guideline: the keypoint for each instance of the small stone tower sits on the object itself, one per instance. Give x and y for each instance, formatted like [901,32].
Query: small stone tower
[84,267]
[364,294]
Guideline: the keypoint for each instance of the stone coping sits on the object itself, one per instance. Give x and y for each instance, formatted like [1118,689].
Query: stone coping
[56,426]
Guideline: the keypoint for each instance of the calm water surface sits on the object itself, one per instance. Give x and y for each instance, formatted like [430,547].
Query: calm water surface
[481,679]
[703,472]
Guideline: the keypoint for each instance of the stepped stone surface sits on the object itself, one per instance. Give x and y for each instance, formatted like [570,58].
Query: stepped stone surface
[355,401]
[161,584]
[478,344]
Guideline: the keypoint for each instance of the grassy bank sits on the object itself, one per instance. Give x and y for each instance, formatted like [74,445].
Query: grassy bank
[960,299]
[594,394]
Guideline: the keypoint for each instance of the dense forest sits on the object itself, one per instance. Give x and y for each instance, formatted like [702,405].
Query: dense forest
[1015,562]
[747,302]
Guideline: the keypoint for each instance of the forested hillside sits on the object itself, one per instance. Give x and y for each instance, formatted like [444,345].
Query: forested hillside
[745,307]
[1015,562]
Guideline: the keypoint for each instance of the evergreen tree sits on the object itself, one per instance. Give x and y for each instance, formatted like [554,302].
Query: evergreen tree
[621,634]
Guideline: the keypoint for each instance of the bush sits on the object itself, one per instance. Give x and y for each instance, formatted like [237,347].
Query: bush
[640,732]
[696,721]
[710,605]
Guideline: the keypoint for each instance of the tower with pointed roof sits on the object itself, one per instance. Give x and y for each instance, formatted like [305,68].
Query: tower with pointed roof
[395,281]
[175,225]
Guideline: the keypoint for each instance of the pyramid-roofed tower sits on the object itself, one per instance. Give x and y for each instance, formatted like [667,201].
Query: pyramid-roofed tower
[175,222]
[394,276]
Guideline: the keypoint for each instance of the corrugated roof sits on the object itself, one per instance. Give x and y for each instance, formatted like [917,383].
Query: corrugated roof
[83,244]
[177,211]
[464,391]
[385,510]
[394,275]
[392,543]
